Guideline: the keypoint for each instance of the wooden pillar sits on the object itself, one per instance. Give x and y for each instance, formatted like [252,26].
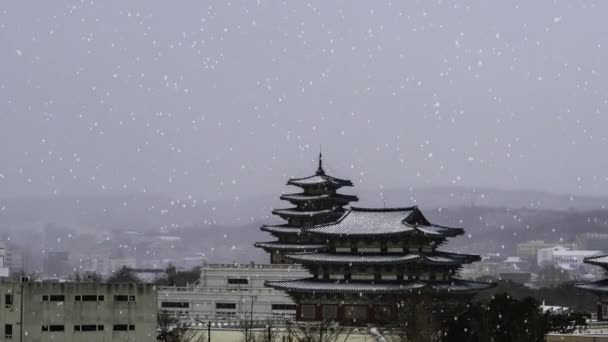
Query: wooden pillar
[600,314]
[298,312]
[340,313]
[318,312]
[371,314]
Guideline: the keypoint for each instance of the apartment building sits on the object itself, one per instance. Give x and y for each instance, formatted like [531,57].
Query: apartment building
[52,311]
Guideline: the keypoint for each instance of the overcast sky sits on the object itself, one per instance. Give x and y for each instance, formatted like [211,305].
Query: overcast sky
[220,99]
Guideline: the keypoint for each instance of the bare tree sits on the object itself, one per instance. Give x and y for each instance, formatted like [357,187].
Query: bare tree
[171,330]
[321,331]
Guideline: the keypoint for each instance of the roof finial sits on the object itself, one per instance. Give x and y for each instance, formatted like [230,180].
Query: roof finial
[320,170]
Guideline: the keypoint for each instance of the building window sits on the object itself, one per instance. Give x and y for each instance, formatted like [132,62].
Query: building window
[8,331]
[285,307]
[225,305]
[124,298]
[238,281]
[175,305]
[308,311]
[53,328]
[123,327]
[53,298]
[88,327]
[330,312]
[88,298]
[8,300]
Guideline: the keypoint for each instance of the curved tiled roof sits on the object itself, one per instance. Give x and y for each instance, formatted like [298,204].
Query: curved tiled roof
[327,258]
[300,213]
[313,285]
[600,286]
[320,178]
[301,197]
[438,258]
[600,260]
[368,222]
[282,229]
[275,245]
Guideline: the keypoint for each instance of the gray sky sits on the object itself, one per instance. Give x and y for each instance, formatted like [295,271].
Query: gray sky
[228,99]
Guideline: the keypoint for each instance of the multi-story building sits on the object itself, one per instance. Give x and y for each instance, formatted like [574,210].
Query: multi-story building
[232,293]
[528,250]
[318,203]
[564,258]
[51,311]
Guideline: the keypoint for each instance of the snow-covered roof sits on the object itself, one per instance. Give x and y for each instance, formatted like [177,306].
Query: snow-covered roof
[300,197]
[442,258]
[366,221]
[599,260]
[600,286]
[362,287]
[295,212]
[275,245]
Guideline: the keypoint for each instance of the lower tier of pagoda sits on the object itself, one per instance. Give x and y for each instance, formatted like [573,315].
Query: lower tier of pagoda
[600,286]
[316,286]
[431,258]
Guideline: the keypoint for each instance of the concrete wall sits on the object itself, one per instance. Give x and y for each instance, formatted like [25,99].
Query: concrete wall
[577,338]
[41,311]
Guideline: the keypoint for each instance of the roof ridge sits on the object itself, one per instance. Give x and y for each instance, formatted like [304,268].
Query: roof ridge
[380,210]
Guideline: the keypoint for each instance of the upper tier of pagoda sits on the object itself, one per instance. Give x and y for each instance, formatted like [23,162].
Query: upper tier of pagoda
[319,179]
[317,204]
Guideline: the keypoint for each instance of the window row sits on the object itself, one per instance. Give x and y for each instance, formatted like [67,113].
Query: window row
[84,298]
[238,281]
[175,305]
[81,327]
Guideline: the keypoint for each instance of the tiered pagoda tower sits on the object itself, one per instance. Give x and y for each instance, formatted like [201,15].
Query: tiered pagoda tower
[375,264]
[318,203]
[600,287]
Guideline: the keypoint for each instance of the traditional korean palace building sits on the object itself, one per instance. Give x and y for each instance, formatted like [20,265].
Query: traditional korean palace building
[599,287]
[317,203]
[373,261]
[366,265]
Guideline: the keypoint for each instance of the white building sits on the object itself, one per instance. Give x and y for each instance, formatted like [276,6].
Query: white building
[564,258]
[3,267]
[232,293]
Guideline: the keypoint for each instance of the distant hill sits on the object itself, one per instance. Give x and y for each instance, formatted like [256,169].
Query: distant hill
[224,231]
[145,211]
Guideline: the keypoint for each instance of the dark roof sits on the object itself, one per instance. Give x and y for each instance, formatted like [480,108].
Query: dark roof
[600,260]
[281,229]
[600,286]
[299,213]
[437,258]
[369,222]
[320,178]
[301,197]
[327,258]
[294,247]
[321,286]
